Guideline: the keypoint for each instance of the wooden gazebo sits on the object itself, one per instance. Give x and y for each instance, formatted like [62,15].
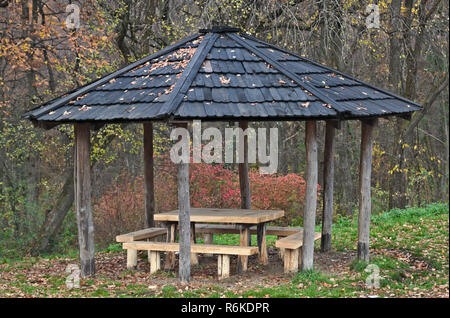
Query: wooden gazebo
[222,74]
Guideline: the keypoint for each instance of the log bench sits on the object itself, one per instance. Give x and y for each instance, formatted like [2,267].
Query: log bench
[292,246]
[223,252]
[144,234]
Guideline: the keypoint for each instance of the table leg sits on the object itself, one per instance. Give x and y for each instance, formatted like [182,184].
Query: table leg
[208,239]
[242,259]
[262,243]
[171,235]
[194,256]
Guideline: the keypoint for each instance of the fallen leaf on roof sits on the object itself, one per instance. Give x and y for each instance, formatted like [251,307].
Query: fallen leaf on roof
[207,66]
[66,113]
[281,81]
[305,104]
[224,80]
[131,109]
[84,108]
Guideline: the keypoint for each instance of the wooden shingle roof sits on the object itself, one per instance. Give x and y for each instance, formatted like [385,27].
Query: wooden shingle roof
[221,74]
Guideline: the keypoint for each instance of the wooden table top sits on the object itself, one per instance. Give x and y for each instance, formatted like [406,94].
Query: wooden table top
[206,215]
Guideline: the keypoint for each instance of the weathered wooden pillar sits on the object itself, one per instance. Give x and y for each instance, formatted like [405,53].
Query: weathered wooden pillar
[184,220]
[83,199]
[149,175]
[328,183]
[244,182]
[309,216]
[365,171]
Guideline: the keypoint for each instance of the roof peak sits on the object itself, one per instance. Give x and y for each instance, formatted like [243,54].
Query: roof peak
[221,29]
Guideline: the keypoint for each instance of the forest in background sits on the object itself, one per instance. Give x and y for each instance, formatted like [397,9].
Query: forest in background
[41,58]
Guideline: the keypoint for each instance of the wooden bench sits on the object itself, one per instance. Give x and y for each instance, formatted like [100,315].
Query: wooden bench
[223,252]
[292,246]
[144,234]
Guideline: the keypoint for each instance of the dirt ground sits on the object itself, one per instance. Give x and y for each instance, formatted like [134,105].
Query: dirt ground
[205,273]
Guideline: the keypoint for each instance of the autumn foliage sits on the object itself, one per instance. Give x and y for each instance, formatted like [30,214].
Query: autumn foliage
[121,208]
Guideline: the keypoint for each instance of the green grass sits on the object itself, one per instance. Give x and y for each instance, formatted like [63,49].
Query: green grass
[409,250]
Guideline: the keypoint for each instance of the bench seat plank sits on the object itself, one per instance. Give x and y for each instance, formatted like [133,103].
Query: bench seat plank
[141,234]
[195,248]
[294,241]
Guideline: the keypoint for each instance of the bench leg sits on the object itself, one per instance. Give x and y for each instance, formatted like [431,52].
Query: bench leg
[300,260]
[155,261]
[262,243]
[281,253]
[208,239]
[291,260]
[243,259]
[171,235]
[131,259]
[223,266]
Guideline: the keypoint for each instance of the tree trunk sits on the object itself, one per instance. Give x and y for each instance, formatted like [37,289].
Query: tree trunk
[56,216]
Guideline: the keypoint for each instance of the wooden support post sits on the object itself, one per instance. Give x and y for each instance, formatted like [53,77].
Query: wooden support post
[328,183]
[149,175]
[184,220]
[243,172]
[309,216]
[244,183]
[365,170]
[243,259]
[171,236]
[131,259]
[155,261]
[262,244]
[223,266]
[83,199]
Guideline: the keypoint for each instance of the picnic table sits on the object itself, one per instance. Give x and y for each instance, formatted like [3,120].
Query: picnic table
[243,219]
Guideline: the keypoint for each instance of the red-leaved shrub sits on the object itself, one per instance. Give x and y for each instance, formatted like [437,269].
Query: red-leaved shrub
[121,208]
